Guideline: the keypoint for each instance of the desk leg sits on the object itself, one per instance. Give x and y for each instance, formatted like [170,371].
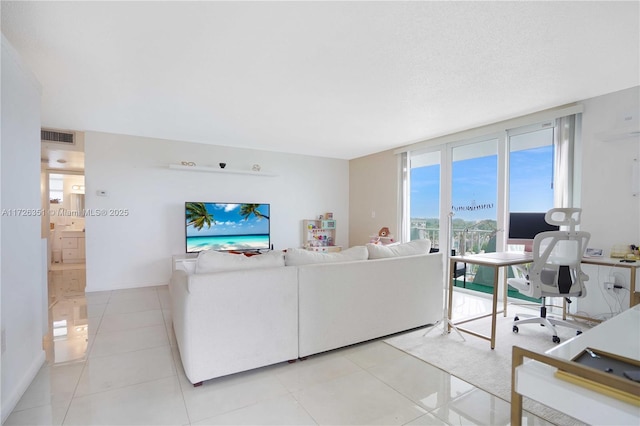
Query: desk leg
[505,292]
[494,307]
[634,298]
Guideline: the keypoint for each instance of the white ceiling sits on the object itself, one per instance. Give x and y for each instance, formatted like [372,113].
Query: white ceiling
[335,79]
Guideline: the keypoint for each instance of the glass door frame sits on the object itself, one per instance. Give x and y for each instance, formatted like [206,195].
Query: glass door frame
[446,177]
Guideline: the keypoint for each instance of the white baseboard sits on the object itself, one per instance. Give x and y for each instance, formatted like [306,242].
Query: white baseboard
[10,399]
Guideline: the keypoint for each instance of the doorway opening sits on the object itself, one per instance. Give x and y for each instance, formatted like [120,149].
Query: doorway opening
[66,219]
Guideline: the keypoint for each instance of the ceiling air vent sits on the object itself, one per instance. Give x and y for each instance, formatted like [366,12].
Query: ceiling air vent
[54,136]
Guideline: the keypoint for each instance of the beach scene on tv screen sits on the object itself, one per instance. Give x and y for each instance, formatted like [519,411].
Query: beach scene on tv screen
[225,226]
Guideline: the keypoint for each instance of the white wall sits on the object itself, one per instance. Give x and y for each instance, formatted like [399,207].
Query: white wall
[136,250]
[21,279]
[610,211]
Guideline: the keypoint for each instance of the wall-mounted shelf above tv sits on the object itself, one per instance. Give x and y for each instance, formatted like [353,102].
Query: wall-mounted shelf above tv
[211,169]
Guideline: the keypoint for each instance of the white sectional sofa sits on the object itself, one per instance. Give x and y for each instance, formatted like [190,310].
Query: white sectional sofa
[233,313]
[340,304]
[232,321]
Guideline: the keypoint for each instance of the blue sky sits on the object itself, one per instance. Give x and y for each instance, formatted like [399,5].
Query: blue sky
[229,222]
[475,184]
[531,178]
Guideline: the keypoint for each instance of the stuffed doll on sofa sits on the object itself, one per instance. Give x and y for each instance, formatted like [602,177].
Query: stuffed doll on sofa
[384,237]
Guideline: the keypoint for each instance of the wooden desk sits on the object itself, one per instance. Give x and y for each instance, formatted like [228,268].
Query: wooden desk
[634,297]
[496,261]
[535,377]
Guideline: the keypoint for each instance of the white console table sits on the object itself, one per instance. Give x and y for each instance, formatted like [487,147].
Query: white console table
[186,262]
[535,378]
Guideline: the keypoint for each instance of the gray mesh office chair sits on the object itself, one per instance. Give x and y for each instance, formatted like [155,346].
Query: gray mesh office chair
[555,270]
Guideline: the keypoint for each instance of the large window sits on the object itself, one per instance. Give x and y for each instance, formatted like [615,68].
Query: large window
[531,171]
[56,188]
[466,188]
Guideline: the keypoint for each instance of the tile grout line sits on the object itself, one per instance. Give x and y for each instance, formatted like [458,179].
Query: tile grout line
[84,364]
[133,328]
[401,394]
[74,396]
[173,359]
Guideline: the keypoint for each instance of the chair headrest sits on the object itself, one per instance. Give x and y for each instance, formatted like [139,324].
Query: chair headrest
[564,217]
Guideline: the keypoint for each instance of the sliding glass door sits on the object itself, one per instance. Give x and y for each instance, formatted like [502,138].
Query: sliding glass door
[474,196]
[474,204]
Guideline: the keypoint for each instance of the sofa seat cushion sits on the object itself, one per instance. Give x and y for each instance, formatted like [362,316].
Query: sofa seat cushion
[215,261]
[297,256]
[396,250]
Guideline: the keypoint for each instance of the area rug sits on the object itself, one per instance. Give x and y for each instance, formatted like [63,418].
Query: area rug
[473,361]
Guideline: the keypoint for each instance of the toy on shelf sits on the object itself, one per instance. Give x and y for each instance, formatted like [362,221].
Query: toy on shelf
[320,234]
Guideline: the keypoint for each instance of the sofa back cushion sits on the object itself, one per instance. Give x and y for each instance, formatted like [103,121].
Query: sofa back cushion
[297,256]
[215,261]
[396,250]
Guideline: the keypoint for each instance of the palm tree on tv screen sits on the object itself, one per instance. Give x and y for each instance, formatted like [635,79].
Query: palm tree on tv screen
[198,216]
[247,210]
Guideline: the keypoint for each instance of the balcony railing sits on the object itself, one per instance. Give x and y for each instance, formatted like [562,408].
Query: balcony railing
[465,240]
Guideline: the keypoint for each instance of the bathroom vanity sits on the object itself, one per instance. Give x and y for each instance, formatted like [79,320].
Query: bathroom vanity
[73,247]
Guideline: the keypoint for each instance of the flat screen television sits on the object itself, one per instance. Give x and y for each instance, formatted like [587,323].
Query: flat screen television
[227,227]
[523,227]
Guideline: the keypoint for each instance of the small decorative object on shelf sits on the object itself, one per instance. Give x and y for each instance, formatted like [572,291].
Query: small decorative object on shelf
[328,224]
[256,167]
[221,168]
[329,215]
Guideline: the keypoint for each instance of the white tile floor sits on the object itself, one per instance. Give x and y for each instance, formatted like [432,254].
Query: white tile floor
[113,360]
